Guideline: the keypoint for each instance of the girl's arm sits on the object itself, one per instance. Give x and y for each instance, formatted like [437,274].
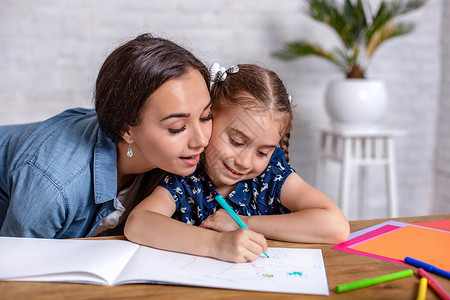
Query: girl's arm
[315,217]
[150,224]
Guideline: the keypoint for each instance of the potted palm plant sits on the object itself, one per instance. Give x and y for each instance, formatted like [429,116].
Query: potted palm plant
[354,100]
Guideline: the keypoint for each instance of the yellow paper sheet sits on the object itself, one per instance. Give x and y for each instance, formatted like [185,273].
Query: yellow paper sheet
[425,244]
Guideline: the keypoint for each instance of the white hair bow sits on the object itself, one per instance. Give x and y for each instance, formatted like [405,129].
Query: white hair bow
[219,74]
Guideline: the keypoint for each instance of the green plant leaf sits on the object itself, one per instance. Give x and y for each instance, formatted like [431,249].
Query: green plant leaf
[330,13]
[387,32]
[297,49]
[387,11]
[355,16]
[342,59]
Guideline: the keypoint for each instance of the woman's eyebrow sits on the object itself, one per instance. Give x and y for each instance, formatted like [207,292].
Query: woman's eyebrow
[184,115]
[176,115]
[208,105]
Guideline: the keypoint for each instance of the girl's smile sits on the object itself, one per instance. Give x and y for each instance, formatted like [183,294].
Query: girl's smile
[232,173]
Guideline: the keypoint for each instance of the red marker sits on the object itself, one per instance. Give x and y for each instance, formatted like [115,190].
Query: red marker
[434,284]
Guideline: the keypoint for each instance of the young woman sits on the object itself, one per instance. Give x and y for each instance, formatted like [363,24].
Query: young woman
[245,163]
[79,173]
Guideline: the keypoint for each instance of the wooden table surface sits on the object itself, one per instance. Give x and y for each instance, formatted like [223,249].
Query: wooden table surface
[341,267]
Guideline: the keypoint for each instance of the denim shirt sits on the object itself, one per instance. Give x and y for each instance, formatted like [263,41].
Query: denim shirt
[58,178]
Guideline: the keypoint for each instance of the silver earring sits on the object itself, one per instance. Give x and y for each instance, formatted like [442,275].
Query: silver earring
[130,151]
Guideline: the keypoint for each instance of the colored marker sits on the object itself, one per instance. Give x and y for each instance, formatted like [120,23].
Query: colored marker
[427,267]
[371,281]
[434,284]
[422,292]
[232,214]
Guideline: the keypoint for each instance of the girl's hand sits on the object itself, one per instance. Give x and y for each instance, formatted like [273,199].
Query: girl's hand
[241,245]
[220,221]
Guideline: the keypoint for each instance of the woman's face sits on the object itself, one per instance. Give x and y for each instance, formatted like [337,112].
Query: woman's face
[241,145]
[175,126]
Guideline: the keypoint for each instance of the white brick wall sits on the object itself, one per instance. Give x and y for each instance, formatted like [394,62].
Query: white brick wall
[51,51]
[441,203]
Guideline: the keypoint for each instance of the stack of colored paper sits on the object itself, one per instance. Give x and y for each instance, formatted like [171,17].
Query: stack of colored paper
[393,241]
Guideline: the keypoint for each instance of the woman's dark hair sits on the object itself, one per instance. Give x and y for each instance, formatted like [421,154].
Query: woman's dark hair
[131,73]
[258,89]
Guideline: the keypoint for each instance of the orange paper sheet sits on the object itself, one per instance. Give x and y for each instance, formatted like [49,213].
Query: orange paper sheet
[425,244]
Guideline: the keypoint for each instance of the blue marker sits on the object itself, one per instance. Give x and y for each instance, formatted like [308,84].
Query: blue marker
[427,267]
[232,214]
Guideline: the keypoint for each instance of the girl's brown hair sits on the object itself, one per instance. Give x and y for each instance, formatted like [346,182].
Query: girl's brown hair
[257,89]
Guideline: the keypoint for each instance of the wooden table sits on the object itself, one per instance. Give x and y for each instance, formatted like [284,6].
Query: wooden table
[341,267]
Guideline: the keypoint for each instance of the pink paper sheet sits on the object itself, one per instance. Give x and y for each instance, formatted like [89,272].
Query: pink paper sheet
[443,225]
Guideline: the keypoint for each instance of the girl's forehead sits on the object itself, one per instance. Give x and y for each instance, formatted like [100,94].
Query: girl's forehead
[251,124]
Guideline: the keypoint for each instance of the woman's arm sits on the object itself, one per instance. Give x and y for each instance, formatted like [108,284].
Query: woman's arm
[36,208]
[150,224]
[315,217]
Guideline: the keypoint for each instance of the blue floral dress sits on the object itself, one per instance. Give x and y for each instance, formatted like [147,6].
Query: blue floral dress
[194,194]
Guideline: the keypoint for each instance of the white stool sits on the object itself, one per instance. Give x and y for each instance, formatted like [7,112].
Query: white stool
[361,148]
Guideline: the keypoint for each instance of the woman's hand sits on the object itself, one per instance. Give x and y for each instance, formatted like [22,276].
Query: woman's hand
[241,245]
[220,221]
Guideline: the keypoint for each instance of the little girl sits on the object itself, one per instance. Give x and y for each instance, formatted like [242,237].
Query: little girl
[246,162]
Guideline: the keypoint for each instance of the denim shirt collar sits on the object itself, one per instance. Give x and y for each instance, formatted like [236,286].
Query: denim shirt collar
[105,169]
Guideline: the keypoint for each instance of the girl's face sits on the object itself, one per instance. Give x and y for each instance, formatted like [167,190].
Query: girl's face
[241,145]
[175,126]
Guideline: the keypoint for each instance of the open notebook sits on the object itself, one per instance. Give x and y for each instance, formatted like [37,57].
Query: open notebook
[114,262]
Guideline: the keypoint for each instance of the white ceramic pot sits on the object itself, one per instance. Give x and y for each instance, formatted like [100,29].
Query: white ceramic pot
[356,102]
